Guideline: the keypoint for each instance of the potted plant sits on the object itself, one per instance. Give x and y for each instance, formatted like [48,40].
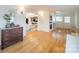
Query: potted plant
[7,17]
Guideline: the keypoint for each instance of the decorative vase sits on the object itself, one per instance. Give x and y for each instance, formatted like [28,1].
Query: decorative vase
[7,24]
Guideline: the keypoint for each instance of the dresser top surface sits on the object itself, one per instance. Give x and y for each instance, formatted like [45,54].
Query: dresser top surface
[9,28]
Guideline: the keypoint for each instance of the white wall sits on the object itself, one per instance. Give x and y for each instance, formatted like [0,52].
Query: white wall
[77,22]
[77,19]
[18,18]
[43,24]
[2,21]
[0,37]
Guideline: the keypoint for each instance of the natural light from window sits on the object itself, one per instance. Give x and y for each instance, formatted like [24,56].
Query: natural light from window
[67,19]
[59,19]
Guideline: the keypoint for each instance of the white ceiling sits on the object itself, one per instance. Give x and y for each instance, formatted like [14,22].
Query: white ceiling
[46,7]
[51,8]
[66,9]
[54,7]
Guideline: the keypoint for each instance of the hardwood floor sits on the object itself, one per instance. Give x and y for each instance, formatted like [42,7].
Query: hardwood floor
[39,42]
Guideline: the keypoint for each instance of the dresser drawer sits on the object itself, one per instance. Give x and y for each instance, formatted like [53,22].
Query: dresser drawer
[6,31]
[11,36]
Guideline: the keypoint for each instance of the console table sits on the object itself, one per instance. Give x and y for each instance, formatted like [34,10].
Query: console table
[11,36]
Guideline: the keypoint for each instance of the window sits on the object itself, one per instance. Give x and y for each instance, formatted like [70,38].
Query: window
[67,19]
[53,19]
[59,18]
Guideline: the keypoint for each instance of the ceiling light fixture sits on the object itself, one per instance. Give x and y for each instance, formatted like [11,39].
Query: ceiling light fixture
[40,13]
[21,9]
[58,12]
[30,14]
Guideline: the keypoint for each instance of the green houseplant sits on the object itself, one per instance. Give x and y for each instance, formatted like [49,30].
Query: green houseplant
[7,17]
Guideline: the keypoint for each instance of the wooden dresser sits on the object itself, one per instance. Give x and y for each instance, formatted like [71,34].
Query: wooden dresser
[11,36]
